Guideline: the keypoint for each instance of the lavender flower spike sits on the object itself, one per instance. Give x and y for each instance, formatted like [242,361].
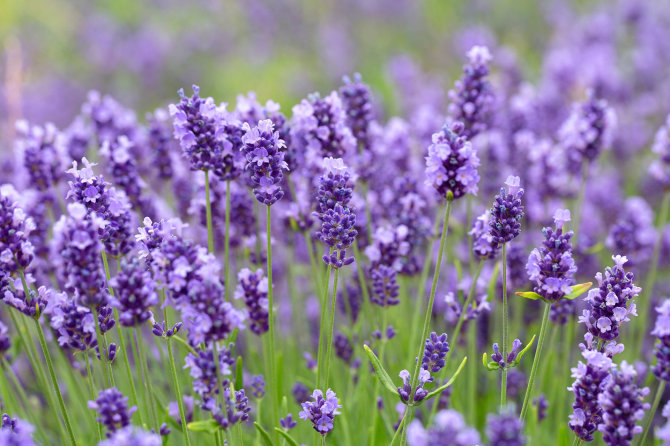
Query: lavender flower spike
[435,352]
[449,428]
[506,213]
[264,152]
[321,412]
[660,169]
[112,409]
[662,351]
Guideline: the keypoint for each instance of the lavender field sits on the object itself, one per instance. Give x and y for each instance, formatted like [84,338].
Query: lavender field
[284,223]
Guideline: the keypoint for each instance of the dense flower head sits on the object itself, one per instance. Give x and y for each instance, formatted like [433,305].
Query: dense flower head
[448,429]
[319,125]
[73,323]
[15,432]
[451,164]
[322,411]
[660,168]
[110,119]
[505,362]
[338,232]
[633,232]
[134,293]
[335,186]
[199,127]
[590,380]
[207,315]
[76,239]
[551,267]
[435,352]
[506,213]
[390,246]
[663,433]
[257,386]
[264,153]
[5,342]
[203,370]
[112,408]
[610,303]
[132,436]
[252,288]
[623,406]
[385,288]
[43,154]
[472,97]
[230,162]
[588,130]
[235,407]
[16,251]
[343,348]
[160,142]
[482,240]
[31,305]
[662,350]
[505,429]
[357,101]
[407,394]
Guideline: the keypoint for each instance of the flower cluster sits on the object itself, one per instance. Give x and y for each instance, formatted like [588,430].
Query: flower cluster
[15,432]
[74,323]
[660,169]
[43,152]
[321,412]
[448,428]
[434,353]
[505,429]
[16,251]
[451,164]
[407,394]
[385,288]
[134,293]
[610,304]
[112,408]
[506,213]
[252,288]
[482,240]
[357,100]
[207,315]
[203,369]
[552,267]
[662,350]
[264,154]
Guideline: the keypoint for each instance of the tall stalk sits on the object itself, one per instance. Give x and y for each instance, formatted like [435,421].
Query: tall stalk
[329,339]
[536,361]
[652,412]
[226,270]
[274,391]
[208,213]
[503,385]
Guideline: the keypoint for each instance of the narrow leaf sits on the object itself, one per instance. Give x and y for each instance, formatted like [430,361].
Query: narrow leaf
[529,295]
[239,379]
[381,372]
[578,290]
[485,360]
[523,352]
[267,441]
[450,382]
[203,426]
[288,438]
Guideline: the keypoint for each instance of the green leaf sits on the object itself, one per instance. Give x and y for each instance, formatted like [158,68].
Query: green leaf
[578,290]
[288,438]
[523,352]
[529,295]
[239,379]
[264,435]
[448,383]
[381,372]
[210,426]
[485,359]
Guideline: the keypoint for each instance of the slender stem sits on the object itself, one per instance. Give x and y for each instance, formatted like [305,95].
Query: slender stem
[653,269]
[8,371]
[468,301]
[536,361]
[433,289]
[650,415]
[564,370]
[400,426]
[227,242]
[322,329]
[503,386]
[274,392]
[472,372]
[91,391]
[375,416]
[149,400]
[54,381]
[329,340]
[579,204]
[8,402]
[173,370]
[102,348]
[208,211]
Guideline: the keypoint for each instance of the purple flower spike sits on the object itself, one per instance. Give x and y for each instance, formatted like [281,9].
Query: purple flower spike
[419,393]
[482,240]
[662,350]
[134,294]
[449,428]
[132,435]
[451,164]
[385,288]
[287,422]
[112,409]
[357,100]
[506,213]
[257,386]
[15,432]
[264,153]
[505,429]
[322,411]
[16,251]
[660,169]
[252,288]
[434,353]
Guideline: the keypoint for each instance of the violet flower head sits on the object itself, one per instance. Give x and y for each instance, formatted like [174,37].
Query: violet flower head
[338,232]
[385,288]
[203,370]
[287,423]
[230,163]
[112,408]
[472,97]
[448,429]
[252,288]
[43,154]
[321,412]
[506,213]
[160,142]
[482,240]
[503,362]
[633,232]
[662,350]
[16,251]
[199,127]
[335,186]
[207,315]
[5,341]
[257,386]
[31,305]
[542,405]
[16,432]
[73,323]
[551,267]
[132,435]
[505,429]
[451,164]
[588,130]
[391,247]
[343,348]
[435,352]
[590,380]
[235,407]
[407,394]
[660,168]
[611,303]
[264,153]
[134,293]
[623,406]
[357,100]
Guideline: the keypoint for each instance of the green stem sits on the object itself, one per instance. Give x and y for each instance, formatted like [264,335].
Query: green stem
[400,427]
[91,392]
[579,204]
[536,361]
[141,359]
[329,340]
[433,289]
[652,411]
[367,309]
[322,329]
[208,211]
[173,370]
[227,242]
[54,381]
[503,386]
[7,400]
[8,371]
[274,391]
[468,301]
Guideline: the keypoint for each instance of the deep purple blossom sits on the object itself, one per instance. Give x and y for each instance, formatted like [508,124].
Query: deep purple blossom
[335,186]
[407,394]
[506,213]
[448,429]
[43,154]
[16,251]
[112,408]
[505,429]
[207,315]
[357,101]
[203,370]
[73,323]
[385,288]
[662,350]
[322,411]
[134,293]
[287,422]
[435,352]
[252,288]
[343,348]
